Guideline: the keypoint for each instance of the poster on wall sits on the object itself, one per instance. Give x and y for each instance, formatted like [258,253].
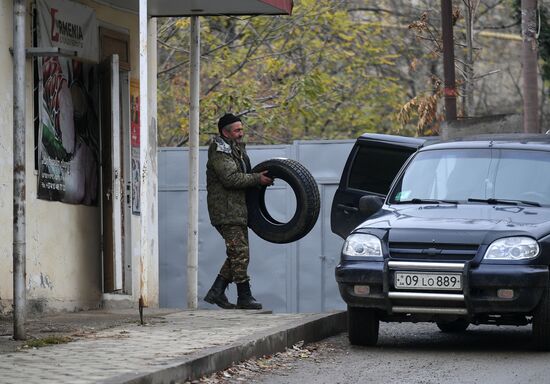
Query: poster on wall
[134,140]
[70,26]
[68,147]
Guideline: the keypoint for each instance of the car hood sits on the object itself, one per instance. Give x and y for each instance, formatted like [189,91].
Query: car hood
[466,223]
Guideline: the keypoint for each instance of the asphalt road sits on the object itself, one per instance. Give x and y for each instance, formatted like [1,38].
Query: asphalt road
[406,353]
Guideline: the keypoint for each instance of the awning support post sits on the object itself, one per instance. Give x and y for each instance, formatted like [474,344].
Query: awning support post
[193,203]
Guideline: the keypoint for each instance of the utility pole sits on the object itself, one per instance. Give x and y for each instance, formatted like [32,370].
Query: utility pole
[448,59]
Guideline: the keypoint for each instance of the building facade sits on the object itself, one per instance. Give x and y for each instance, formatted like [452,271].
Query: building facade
[88,205]
[82,144]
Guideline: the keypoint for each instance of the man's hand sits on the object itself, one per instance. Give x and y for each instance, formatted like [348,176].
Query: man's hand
[264,179]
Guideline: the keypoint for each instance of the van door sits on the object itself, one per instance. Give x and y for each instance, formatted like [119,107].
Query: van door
[373,163]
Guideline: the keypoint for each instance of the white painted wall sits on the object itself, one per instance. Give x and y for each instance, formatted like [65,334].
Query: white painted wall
[6,155]
[63,241]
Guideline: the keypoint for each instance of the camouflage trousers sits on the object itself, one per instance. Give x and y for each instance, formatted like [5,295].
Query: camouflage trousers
[236,244]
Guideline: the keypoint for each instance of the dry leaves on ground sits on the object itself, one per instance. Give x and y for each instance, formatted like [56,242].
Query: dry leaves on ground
[282,361]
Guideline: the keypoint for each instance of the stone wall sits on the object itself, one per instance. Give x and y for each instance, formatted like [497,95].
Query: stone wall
[511,123]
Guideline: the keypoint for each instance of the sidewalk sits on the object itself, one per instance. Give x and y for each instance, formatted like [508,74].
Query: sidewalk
[172,347]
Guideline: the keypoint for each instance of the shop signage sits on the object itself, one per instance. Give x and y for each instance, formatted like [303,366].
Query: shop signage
[70,26]
[68,94]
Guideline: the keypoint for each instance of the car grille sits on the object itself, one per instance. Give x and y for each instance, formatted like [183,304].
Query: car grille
[430,251]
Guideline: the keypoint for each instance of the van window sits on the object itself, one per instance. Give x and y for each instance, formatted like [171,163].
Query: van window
[374,168]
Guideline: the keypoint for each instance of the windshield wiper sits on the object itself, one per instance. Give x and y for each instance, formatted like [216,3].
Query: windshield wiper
[426,201]
[504,201]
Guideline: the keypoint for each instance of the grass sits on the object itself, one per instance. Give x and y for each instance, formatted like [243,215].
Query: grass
[44,342]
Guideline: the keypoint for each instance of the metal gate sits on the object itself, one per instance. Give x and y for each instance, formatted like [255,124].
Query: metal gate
[295,277]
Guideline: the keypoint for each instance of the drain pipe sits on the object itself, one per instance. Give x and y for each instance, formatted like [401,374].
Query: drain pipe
[193,203]
[19,242]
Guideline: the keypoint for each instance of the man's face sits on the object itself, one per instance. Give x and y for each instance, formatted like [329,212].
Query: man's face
[235,131]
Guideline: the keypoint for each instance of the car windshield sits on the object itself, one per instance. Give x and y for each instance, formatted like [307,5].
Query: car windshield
[476,176]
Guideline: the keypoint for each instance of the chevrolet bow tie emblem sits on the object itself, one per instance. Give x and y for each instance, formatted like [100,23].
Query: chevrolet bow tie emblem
[431,251]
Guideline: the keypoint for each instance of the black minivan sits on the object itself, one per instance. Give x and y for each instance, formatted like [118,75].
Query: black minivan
[454,232]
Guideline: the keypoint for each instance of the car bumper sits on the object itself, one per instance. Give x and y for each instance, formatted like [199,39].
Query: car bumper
[478,295]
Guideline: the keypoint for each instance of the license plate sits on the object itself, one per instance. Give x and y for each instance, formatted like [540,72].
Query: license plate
[428,280]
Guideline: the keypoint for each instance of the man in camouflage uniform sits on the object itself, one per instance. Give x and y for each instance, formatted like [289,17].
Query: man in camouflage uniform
[227,178]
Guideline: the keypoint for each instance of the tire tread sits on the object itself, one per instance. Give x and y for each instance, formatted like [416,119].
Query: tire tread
[308,212]
[363,326]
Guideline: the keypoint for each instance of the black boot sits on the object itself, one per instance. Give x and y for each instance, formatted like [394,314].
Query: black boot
[216,294]
[245,299]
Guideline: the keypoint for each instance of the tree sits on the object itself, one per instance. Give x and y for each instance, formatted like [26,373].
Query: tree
[529,58]
[335,69]
[543,33]
[321,73]
[471,7]
[487,60]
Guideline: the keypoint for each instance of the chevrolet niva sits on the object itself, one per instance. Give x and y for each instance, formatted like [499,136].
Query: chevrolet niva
[454,232]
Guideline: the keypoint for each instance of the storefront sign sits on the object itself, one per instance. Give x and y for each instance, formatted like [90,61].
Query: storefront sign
[68,25]
[68,148]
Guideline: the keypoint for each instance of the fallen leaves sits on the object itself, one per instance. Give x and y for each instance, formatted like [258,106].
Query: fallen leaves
[280,362]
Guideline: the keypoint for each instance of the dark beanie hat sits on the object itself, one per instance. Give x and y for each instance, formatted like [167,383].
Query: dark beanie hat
[227,119]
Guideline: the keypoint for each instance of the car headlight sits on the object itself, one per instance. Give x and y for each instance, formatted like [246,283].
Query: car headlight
[512,248]
[361,244]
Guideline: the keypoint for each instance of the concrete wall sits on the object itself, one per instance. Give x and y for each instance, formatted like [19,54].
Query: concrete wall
[63,241]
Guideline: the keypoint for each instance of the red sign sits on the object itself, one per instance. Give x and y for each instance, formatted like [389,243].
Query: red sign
[134,113]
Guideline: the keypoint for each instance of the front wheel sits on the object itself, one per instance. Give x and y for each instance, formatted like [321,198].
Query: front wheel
[363,326]
[541,323]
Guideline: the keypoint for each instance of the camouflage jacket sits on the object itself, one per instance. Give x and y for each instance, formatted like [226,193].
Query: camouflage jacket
[227,178]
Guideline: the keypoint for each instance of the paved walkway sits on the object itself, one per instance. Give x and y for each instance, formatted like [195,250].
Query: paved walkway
[171,348]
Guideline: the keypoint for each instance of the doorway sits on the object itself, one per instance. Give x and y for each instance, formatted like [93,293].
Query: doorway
[115,165]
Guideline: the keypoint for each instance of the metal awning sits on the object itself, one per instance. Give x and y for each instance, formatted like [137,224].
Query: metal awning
[165,8]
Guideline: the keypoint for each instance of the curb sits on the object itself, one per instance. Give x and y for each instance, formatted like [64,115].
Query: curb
[314,328]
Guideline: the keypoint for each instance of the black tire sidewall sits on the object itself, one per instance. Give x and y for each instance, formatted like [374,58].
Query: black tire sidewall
[307,197]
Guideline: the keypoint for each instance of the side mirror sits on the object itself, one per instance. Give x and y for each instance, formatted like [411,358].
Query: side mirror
[369,205]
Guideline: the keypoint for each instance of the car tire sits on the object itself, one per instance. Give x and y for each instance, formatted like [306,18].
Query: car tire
[541,323]
[455,326]
[363,326]
[308,202]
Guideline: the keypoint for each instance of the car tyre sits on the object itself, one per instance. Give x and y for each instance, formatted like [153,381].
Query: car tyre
[363,326]
[308,202]
[455,326]
[541,323]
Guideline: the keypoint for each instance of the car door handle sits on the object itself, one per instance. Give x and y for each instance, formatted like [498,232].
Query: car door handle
[347,208]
